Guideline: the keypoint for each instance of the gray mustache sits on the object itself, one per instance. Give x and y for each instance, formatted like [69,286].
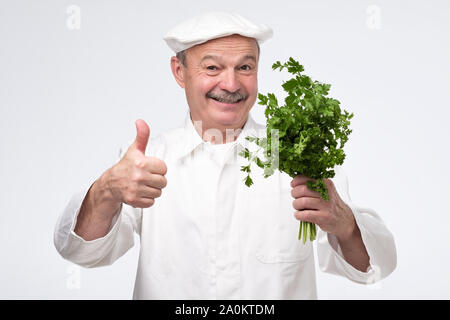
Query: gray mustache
[227,97]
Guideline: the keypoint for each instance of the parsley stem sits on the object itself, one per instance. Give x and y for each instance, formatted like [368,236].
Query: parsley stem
[304,231]
[300,231]
[307,231]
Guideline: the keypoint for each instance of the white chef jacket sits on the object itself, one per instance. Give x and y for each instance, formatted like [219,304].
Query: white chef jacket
[211,237]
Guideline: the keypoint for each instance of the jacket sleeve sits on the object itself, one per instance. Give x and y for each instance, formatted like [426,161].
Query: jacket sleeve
[98,252]
[378,240]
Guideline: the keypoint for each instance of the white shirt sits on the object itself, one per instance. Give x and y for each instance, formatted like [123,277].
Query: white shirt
[211,237]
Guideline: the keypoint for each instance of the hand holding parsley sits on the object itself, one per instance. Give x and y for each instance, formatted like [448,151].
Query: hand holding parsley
[312,132]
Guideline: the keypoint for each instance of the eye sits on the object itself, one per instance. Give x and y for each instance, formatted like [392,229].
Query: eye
[245,67]
[213,68]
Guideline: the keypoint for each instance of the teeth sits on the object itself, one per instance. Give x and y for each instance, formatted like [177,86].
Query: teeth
[226,101]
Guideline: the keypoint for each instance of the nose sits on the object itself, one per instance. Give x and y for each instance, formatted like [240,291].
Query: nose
[230,81]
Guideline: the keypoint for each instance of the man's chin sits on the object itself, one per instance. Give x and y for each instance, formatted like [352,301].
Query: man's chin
[230,118]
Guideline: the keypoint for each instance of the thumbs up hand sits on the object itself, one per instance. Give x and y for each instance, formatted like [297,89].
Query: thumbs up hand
[138,179]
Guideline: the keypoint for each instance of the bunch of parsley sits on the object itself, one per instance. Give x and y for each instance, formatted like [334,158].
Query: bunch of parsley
[311,133]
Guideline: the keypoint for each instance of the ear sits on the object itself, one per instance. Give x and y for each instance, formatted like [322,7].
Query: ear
[177,70]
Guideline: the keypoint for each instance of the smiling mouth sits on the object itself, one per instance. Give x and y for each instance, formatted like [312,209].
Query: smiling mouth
[227,102]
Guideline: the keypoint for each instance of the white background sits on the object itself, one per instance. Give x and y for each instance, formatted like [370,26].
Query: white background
[69,99]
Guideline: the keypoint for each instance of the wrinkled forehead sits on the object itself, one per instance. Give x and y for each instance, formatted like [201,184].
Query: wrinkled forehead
[232,46]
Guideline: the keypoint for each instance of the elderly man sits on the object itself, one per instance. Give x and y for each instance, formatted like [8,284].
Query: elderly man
[203,234]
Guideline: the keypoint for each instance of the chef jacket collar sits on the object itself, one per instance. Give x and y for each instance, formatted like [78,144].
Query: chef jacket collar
[191,139]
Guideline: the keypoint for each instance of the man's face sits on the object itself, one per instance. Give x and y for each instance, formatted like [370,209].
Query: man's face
[220,81]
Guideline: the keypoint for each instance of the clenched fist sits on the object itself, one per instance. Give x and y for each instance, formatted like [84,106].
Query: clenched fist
[333,216]
[137,179]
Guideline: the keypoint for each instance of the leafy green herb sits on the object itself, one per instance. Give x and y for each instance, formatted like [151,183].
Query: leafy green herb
[311,134]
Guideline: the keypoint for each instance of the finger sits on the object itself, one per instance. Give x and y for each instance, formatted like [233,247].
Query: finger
[155,166]
[303,191]
[300,179]
[156,181]
[150,192]
[143,203]
[159,166]
[307,203]
[142,135]
[152,180]
[307,215]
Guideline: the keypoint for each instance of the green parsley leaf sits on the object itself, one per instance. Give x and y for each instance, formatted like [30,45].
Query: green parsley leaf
[248,181]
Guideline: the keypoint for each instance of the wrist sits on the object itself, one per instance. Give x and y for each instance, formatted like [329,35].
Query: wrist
[351,230]
[103,189]
[103,197]
[351,233]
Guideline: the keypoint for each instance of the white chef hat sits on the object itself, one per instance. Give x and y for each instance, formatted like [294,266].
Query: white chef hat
[214,25]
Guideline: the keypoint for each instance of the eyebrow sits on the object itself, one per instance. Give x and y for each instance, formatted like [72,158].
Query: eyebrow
[215,57]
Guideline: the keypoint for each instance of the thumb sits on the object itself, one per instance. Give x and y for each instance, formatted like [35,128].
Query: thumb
[142,135]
